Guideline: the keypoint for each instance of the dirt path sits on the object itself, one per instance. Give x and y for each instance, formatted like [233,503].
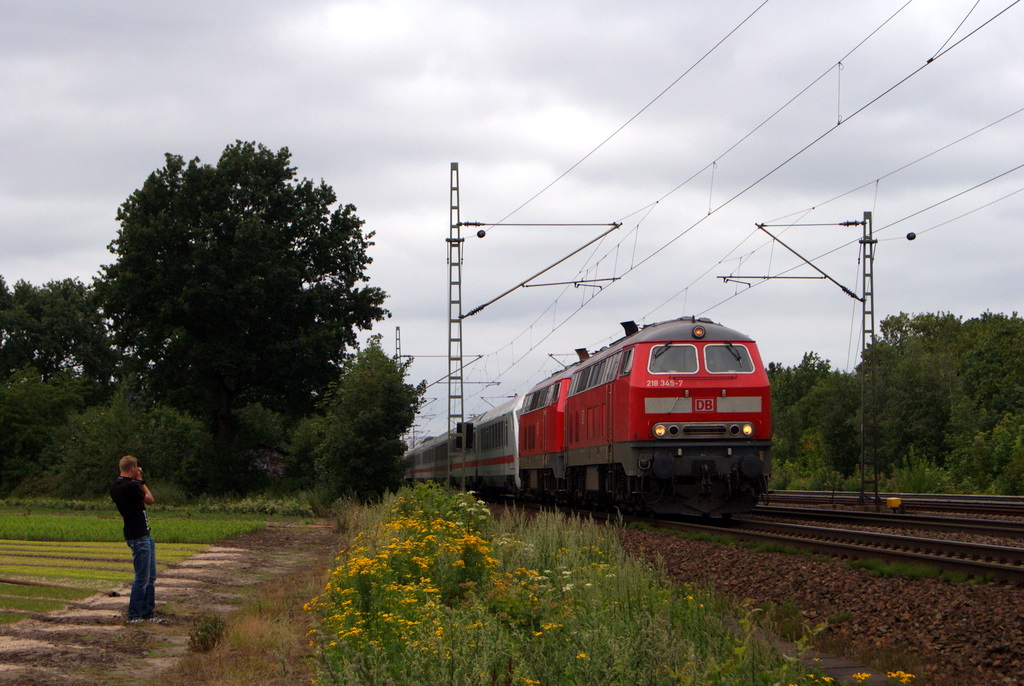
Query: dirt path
[89,643]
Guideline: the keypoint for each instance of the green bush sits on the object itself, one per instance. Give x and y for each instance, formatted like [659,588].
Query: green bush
[86,450]
[32,410]
[918,475]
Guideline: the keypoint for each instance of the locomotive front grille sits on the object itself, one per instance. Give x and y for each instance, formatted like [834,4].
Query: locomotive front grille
[678,430]
[704,430]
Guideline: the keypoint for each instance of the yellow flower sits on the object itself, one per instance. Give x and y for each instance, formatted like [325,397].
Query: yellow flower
[581,656]
[861,677]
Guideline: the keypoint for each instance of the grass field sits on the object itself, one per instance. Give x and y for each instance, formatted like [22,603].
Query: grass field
[92,527]
[50,559]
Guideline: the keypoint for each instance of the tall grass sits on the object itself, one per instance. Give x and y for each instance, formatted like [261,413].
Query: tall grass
[439,592]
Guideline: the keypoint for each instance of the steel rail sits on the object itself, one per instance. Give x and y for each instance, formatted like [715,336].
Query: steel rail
[1002,563]
[993,504]
[996,528]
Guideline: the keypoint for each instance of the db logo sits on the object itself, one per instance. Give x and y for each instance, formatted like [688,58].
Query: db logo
[703,404]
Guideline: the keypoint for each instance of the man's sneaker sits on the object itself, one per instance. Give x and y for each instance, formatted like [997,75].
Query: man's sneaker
[135,621]
[154,620]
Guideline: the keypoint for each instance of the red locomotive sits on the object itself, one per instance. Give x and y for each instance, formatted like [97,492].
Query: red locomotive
[672,418]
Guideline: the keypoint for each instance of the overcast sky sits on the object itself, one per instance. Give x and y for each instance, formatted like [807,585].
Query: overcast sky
[688,122]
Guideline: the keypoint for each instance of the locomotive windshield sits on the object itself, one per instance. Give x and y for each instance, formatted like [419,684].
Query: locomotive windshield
[728,359]
[673,359]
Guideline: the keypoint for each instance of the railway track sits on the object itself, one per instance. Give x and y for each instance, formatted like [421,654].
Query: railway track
[993,528]
[977,560]
[1004,505]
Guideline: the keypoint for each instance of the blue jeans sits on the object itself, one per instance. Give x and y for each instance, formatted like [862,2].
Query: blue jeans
[143,599]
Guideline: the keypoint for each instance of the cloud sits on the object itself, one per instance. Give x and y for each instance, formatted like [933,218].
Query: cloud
[377,98]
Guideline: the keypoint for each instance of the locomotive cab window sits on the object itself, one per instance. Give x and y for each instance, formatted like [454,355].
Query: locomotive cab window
[728,359]
[673,359]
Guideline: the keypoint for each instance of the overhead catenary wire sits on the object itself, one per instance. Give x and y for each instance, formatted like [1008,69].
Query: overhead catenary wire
[916,213]
[903,167]
[818,257]
[830,130]
[629,121]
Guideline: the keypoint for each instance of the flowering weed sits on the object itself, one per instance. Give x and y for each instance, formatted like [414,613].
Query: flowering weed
[439,592]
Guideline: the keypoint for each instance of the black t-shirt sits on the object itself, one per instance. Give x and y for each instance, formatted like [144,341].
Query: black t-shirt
[128,495]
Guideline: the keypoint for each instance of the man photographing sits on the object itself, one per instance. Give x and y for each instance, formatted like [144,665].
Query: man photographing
[131,495]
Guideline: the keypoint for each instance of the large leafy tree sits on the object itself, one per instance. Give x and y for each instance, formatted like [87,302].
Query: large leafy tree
[814,418]
[32,409]
[951,405]
[364,417]
[991,372]
[55,329]
[789,386]
[238,283]
[917,382]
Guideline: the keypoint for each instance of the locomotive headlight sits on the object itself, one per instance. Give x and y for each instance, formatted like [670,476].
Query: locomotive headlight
[748,429]
[659,430]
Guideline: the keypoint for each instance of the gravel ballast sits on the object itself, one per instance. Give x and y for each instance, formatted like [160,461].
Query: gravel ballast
[955,634]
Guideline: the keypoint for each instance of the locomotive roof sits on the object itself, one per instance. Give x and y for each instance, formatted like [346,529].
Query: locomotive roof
[675,330]
[682,330]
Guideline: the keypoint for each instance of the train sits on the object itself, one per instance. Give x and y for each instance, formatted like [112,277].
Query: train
[671,418]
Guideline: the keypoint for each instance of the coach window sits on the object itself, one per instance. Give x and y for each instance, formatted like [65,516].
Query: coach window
[728,359]
[673,359]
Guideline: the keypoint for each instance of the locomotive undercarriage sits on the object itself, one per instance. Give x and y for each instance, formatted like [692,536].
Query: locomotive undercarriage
[706,479]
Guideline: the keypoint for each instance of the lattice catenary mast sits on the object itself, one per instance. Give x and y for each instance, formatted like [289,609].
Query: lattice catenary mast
[869,391]
[455,385]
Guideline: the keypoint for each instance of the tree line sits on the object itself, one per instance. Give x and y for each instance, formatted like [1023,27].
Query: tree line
[220,346]
[949,410]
